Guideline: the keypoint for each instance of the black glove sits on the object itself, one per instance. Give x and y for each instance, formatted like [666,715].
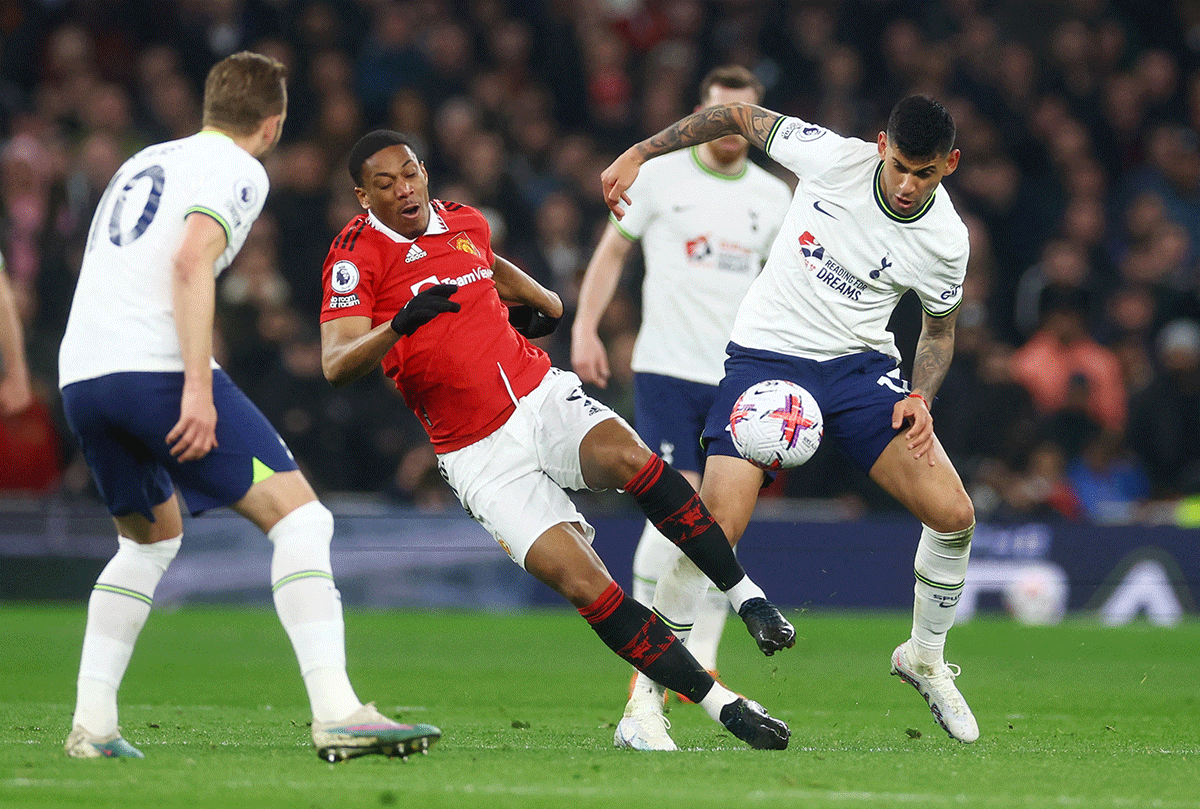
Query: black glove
[530,322]
[424,307]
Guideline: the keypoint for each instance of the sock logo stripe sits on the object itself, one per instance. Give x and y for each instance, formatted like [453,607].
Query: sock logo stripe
[938,584]
[303,574]
[672,625]
[124,591]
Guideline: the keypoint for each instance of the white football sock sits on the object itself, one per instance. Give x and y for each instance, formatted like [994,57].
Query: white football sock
[940,569]
[717,698]
[705,637]
[742,592]
[656,554]
[310,608]
[117,611]
[677,595]
[646,693]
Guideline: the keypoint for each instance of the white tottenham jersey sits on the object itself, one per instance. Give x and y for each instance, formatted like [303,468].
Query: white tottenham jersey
[843,259]
[704,237]
[122,314]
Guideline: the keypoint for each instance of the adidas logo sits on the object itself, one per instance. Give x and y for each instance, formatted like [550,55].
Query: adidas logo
[414,253]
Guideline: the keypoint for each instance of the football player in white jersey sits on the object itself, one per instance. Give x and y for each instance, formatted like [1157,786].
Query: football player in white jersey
[16,394]
[706,217]
[154,412]
[866,224]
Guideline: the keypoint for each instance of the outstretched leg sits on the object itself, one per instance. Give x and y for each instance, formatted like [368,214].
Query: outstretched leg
[563,559]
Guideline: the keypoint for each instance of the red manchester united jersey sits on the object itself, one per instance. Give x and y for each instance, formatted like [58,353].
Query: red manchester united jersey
[461,371]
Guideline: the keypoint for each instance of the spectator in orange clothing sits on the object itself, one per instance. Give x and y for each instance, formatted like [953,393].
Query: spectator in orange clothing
[1062,348]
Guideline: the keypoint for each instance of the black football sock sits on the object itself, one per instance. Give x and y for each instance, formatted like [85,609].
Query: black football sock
[640,637]
[676,510]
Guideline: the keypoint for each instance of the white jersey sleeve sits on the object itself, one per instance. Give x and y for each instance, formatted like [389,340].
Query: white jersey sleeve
[122,312]
[808,150]
[233,193]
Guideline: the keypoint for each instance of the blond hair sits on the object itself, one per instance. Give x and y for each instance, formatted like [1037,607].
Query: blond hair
[243,90]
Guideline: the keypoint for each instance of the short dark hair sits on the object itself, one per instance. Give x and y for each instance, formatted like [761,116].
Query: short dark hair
[733,77]
[243,90]
[371,143]
[920,127]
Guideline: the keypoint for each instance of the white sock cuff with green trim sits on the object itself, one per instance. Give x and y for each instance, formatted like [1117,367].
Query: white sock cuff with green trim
[302,540]
[941,559]
[160,553]
[311,521]
[136,568]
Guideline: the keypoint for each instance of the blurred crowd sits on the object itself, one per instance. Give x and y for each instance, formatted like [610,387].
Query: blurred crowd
[1075,388]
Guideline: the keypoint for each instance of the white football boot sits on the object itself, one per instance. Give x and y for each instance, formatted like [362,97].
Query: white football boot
[367,731]
[936,684]
[81,743]
[643,727]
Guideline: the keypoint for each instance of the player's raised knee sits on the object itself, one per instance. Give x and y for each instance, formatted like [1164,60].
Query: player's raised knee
[955,517]
[612,455]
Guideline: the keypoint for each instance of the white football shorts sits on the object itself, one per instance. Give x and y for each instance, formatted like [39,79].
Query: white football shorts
[512,481]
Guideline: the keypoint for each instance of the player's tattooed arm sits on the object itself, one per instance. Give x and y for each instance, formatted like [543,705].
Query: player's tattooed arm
[935,350]
[748,120]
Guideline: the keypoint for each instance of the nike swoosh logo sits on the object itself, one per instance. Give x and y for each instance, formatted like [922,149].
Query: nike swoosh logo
[817,205]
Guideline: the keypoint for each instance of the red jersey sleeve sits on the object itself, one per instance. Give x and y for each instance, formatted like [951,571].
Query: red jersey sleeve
[348,275]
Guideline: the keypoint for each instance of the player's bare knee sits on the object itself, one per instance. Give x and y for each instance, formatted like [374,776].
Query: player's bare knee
[613,457]
[628,460]
[572,583]
[955,517]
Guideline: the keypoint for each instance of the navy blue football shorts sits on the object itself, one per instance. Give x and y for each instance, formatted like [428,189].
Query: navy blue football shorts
[122,421]
[669,415]
[856,394]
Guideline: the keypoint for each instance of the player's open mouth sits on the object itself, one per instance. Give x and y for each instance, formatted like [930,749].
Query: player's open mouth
[410,211]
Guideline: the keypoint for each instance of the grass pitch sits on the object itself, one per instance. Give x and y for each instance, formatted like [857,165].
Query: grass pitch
[1076,715]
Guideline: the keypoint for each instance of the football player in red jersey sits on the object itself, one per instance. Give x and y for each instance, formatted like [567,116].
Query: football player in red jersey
[412,283]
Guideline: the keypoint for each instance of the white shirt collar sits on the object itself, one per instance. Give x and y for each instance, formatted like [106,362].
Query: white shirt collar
[436,225]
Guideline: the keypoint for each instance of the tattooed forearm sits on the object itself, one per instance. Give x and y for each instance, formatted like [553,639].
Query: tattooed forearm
[935,349]
[751,122]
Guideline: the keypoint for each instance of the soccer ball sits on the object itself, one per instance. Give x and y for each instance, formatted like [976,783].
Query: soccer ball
[776,425]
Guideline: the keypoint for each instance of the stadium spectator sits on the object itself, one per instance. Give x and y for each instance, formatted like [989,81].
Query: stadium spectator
[1072,114]
[16,393]
[1163,425]
[1062,352]
[1110,484]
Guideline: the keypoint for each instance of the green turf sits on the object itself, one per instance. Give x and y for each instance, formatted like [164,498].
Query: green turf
[1072,716]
